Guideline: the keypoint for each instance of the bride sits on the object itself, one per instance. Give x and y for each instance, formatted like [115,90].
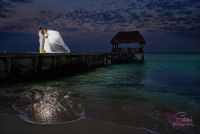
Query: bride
[53,42]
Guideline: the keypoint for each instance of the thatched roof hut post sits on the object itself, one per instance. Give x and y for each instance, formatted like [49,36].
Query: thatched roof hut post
[128,37]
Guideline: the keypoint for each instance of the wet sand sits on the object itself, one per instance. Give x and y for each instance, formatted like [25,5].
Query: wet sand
[11,124]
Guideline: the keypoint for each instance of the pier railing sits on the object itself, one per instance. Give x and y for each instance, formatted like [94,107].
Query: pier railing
[33,64]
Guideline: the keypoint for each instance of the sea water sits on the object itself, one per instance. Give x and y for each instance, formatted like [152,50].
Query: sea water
[160,95]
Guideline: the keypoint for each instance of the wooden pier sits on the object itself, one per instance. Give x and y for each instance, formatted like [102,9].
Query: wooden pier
[37,65]
[31,65]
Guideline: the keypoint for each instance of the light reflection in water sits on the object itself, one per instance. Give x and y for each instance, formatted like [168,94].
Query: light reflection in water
[48,105]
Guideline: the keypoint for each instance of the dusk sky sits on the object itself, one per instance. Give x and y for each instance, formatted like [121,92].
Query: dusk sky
[89,25]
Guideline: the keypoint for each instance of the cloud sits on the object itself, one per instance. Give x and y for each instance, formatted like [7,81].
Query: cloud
[6,6]
[21,1]
[94,25]
[177,16]
[112,16]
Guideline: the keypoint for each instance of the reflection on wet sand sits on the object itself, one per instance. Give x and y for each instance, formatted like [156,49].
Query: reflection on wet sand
[47,106]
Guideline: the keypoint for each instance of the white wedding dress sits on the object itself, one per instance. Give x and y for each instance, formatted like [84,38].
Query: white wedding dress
[54,43]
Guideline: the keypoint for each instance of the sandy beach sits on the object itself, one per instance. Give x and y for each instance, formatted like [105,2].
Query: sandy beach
[11,124]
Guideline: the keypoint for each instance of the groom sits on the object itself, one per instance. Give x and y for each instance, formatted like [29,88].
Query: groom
[41,40]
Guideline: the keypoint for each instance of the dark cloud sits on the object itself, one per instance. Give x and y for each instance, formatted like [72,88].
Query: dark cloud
[176,17]
[170,4]
[21,1]
[112,16]
[96,24]
[6,6]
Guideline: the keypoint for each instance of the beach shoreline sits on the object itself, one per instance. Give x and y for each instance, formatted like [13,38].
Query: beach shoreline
[12,124]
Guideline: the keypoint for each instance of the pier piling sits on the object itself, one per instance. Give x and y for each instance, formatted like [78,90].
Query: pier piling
[34,64]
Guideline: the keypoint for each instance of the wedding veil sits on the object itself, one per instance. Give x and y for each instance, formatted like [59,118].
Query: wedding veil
[56,42]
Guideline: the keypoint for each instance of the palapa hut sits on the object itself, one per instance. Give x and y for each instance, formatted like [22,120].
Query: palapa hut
[128,37]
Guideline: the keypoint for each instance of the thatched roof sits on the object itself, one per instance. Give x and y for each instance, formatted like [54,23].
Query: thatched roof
[128,37]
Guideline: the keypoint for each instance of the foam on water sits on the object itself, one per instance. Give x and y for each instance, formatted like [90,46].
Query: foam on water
[46,105]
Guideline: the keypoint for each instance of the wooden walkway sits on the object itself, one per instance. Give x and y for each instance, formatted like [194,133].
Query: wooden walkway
[18,65]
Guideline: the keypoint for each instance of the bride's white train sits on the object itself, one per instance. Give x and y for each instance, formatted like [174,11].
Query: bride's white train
[53,43]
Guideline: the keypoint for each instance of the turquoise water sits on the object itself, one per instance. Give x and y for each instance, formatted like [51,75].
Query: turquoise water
[135,94]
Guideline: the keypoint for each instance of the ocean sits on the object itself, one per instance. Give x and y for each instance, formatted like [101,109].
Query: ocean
[161,95]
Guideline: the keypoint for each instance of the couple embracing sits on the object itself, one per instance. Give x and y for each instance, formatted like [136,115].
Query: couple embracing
[51,42]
